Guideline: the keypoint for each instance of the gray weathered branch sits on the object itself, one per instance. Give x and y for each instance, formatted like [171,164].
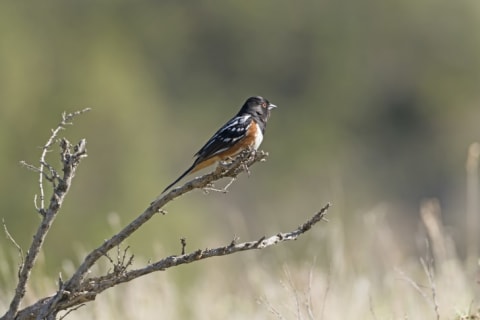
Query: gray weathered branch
[231,170]
[89,288]
[81,288]
[61,184]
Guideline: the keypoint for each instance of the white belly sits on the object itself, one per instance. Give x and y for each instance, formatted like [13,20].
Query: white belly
[258,138]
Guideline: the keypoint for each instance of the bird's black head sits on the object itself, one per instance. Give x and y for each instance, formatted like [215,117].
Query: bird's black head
[258,107]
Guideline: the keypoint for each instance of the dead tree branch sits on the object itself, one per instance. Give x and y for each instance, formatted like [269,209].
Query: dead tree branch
[232,170]
[70,158]
[89,288]
[81,287]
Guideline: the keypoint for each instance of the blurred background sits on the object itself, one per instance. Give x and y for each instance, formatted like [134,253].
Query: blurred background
[378,105]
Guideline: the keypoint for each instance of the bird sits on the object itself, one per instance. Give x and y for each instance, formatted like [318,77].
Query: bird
[245,130]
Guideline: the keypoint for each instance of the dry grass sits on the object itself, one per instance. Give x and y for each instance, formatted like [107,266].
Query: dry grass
[350,286]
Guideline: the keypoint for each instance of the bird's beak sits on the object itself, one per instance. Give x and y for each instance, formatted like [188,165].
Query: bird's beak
[271,106]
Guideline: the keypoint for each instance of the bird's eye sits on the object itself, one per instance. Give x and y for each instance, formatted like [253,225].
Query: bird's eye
[264,104]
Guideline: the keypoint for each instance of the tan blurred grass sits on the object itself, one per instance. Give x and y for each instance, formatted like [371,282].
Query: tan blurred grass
[372,282]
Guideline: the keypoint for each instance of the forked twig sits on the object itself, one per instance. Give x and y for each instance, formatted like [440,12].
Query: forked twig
[12,240]
[70,161]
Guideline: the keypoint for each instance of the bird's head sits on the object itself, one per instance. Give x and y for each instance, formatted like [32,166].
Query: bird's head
[258,107]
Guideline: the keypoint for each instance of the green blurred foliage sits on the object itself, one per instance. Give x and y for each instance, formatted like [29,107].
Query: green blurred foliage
[378,102]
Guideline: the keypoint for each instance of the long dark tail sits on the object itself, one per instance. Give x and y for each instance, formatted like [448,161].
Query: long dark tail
[180,178]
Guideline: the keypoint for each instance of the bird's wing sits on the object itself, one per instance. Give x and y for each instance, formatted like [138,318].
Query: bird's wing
[232,132]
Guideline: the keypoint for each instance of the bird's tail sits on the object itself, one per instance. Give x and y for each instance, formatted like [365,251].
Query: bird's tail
[180,178]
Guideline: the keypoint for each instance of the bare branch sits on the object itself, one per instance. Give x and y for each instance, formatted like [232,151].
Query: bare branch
[232,170]
[81,288]
[70,161]
[183,242]
[12,240]
[224,189]
[71,310]
[66,120]
[89,288]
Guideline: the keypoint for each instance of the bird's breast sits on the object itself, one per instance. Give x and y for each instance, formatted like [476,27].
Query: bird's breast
[258,137]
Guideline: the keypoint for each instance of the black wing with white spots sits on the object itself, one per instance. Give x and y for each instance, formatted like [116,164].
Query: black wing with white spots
[232,132]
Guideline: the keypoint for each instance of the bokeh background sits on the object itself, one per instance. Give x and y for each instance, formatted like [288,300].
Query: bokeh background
[378,104]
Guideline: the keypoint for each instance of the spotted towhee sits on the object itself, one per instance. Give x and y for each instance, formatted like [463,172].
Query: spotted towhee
[243,131]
